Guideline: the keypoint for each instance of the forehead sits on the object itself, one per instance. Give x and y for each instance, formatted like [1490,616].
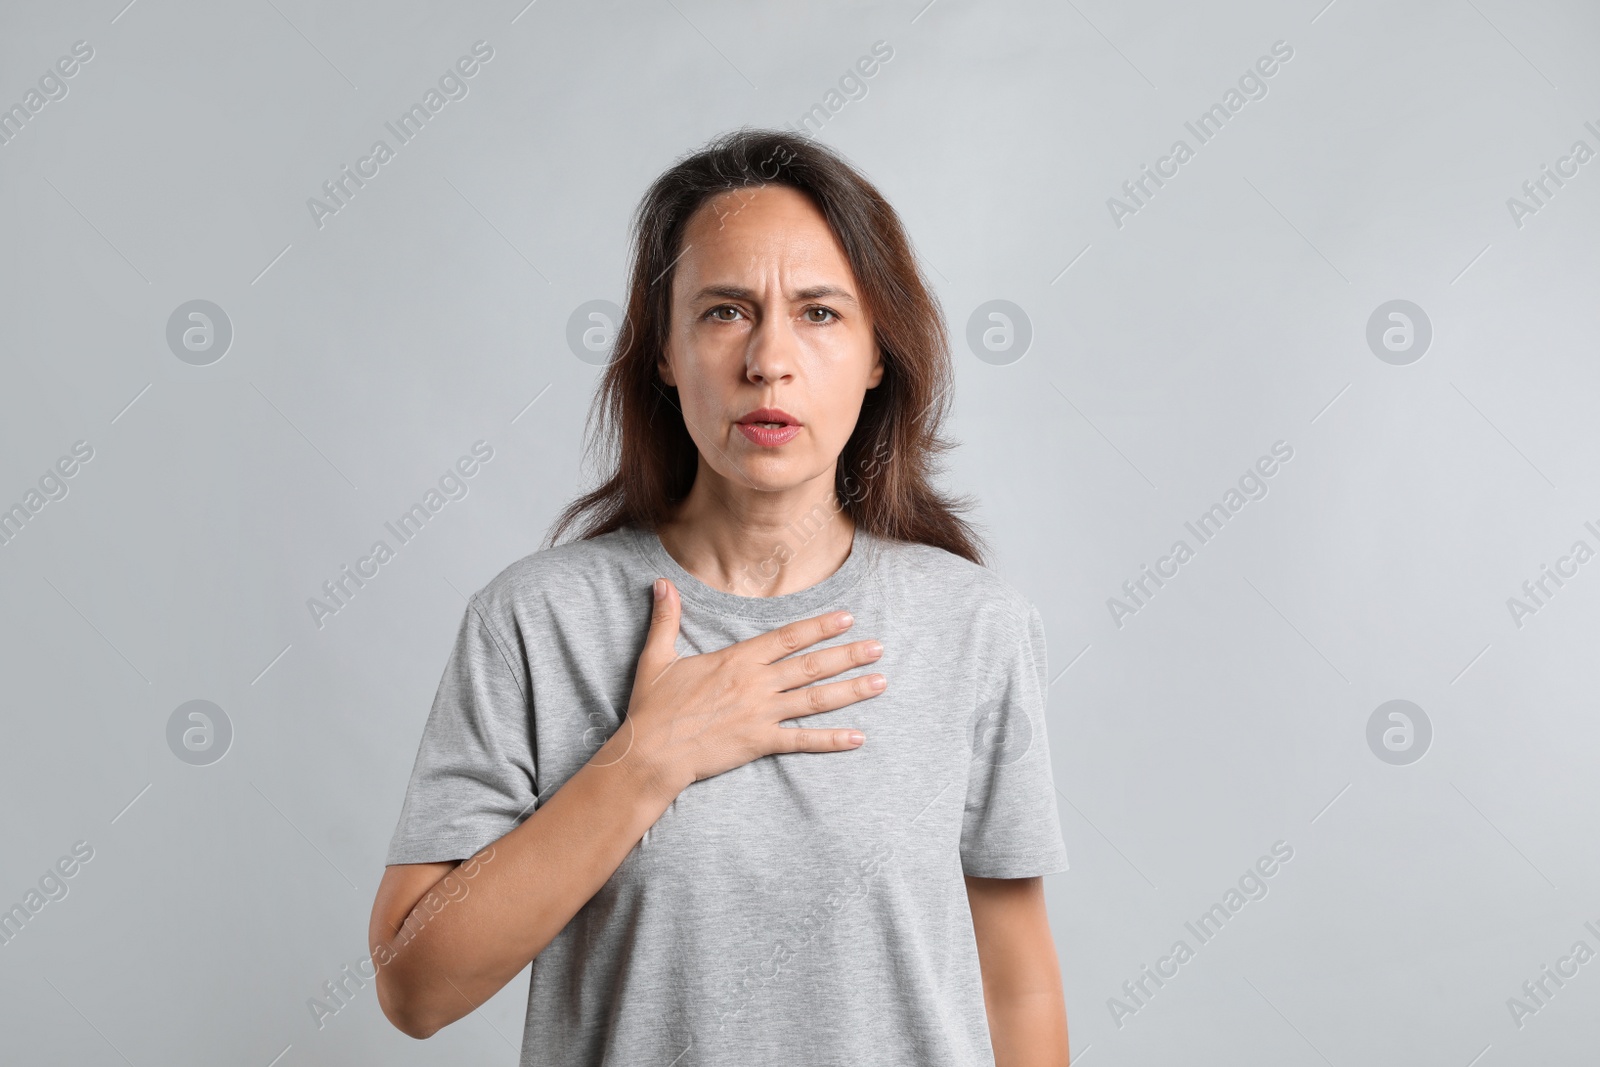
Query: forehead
[742,235]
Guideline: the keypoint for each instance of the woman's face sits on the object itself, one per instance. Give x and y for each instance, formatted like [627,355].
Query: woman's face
[768,324]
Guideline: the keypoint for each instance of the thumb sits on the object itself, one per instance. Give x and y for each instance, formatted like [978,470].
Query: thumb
[661,644]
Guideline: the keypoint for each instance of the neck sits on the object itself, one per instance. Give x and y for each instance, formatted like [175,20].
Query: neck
[759,543]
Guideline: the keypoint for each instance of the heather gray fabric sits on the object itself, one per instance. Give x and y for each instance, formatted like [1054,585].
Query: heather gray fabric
[805,908]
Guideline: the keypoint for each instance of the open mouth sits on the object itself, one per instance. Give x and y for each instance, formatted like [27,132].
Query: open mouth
[769,427]
[769,417]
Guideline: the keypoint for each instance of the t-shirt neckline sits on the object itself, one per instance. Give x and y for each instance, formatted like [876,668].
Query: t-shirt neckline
[826,595]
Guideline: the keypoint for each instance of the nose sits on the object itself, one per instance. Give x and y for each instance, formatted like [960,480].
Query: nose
[770,354]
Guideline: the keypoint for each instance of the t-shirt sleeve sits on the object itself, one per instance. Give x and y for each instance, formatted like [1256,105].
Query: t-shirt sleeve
[1011,827]
[474,779]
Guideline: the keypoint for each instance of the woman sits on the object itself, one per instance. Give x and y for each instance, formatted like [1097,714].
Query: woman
[718,867]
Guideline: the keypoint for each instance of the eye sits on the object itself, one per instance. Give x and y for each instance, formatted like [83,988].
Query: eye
[722,307]
[826,310]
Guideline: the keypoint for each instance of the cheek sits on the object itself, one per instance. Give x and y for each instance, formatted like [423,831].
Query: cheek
[835,410]
[701,410]
[700,398]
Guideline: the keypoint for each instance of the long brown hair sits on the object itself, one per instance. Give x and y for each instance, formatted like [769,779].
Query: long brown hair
[883,477]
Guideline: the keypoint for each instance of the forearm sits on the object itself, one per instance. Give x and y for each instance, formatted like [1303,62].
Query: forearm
[1022,991]
[1028,1028]
[482,923]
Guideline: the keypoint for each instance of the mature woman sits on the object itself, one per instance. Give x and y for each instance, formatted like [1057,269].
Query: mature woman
[780,732]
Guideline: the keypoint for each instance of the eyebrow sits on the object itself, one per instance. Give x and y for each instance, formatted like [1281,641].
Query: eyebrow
[736,292]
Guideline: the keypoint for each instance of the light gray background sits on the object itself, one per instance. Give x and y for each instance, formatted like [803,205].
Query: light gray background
[1168,354]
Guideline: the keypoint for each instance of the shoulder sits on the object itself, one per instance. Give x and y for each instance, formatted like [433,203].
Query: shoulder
[938,580]
[560,574]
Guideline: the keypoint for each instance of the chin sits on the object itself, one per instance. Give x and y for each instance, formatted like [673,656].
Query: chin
[770,481]
[772,474]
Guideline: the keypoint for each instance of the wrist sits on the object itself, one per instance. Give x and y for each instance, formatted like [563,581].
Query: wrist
[657,778]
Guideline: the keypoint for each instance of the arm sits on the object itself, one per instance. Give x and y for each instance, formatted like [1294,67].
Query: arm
[481,922]
[1021,978]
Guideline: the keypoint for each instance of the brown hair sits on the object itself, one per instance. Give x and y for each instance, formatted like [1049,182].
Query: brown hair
[883,477]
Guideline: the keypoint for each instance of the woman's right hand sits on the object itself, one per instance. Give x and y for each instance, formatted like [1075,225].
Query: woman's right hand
[692,717]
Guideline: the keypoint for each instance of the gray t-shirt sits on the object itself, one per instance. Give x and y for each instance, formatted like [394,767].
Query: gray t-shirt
[806,907]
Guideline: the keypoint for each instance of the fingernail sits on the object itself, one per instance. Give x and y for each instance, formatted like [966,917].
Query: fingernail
[874,648]
[857,737]
[660,588]
[845,618]
[879,681]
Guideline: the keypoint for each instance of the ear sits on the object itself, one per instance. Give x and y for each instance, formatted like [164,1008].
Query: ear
[876,374]
[664,368]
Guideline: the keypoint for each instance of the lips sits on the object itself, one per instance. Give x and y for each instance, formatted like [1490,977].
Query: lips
[777,415]
[769,427]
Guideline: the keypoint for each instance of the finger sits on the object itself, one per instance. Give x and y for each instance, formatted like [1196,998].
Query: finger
[822,663]
[829,697]
[776,644]
[805,739]
[661,643]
